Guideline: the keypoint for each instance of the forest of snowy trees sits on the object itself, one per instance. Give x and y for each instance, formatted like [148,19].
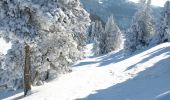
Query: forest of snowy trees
[57,32]
[144,31]
[105,39]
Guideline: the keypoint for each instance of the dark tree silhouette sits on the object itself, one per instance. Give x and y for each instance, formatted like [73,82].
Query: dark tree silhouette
[27,70]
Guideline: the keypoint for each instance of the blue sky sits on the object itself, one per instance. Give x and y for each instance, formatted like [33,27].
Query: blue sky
[154,2]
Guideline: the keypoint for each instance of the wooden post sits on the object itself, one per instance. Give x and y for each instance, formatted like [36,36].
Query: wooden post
[27,70]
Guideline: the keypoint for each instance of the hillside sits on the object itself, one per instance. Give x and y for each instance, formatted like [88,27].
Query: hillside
[122,10]
[144,76]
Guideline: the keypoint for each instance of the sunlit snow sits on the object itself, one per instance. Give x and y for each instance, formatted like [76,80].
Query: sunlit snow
[144,76]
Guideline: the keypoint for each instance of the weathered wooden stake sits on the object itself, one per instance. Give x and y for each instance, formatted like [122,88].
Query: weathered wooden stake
[27,70]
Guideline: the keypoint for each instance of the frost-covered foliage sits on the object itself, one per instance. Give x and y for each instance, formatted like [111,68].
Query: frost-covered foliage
[106,40]
[13,66]
[5,74]
[113,36]
[1,71]
[91,36]
[95,35]
[55,30]
[95,31]
[1,64]
[1,59]
[142,29]
[96,47]
[163,26]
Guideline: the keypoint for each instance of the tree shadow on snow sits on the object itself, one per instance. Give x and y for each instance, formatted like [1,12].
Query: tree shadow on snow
[10,94]
[119,56]
[85,63]
[115,57]
[105,59]
[164,96]
[151,55]
[22,96]
[147,85]
[7,94]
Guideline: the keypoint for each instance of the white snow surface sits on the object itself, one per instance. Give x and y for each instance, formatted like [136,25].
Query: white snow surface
[144,76]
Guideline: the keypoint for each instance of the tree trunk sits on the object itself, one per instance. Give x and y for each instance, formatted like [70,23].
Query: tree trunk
[27,70]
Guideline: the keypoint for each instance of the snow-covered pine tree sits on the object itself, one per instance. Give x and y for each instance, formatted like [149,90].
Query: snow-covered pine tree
[163,26]
[91,32]
[98,31]
[13,66]
[55,31]
[1,69]
[142,29]
[95,30]
[96,48]
[3,73]
[1,59]
[113,36]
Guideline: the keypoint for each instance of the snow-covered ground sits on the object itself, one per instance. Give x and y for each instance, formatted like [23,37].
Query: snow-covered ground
[144,76]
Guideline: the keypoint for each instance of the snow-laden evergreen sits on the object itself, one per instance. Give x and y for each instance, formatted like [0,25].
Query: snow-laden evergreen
[96,47]
[163,26]
[95,31]
[142,29]
[3,73]
[55,30]
[1,61]
[55,33]
[113,36]
[13,66]
[96,36]
[105,39]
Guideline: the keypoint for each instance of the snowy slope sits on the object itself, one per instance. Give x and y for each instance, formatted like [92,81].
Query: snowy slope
[144,76]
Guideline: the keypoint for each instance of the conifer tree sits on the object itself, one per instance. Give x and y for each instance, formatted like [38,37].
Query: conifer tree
[163,26]
[108,39]
[113,36]
[97,38]
[142,28]
[50,28]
